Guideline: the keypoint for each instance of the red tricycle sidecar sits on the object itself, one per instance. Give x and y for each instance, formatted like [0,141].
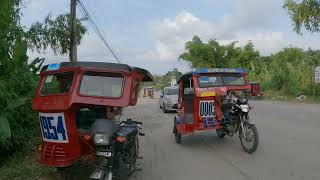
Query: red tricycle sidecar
[66,88]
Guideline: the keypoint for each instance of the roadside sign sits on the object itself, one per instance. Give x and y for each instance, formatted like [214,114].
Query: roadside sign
[317,75]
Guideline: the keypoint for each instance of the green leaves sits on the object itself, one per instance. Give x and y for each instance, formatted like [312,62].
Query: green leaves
[5,131]
[289,70]
[162,81]
[54,34]
[304,13]
[213,54]
[18,79]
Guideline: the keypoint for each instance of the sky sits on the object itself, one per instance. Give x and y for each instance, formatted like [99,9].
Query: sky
[152,34]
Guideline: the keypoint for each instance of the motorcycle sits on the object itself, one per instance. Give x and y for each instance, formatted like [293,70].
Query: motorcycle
[236,119]
[117,148]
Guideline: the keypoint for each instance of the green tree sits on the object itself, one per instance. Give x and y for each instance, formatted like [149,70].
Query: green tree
[213,54]
[53,34]
[289,71]
[304,13]
[18,79]
[162,81]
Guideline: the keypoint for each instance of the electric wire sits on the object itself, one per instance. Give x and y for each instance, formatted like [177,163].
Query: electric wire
[97,30]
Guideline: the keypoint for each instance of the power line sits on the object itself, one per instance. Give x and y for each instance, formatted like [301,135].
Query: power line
[98,31]
[103,32]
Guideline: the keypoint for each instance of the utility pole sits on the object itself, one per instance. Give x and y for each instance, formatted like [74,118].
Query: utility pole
[73,38]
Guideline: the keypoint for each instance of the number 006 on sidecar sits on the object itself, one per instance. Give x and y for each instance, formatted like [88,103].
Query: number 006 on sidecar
[216,99]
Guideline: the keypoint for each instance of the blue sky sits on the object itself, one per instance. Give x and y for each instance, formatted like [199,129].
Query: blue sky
[151,34]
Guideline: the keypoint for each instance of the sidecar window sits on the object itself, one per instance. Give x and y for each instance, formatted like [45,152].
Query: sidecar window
[234,80]
[210,81]
[221,80]
[135,89]
[101,84]
[58,83]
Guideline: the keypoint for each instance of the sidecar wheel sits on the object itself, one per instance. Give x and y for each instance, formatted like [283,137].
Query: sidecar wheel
[250,144]
[220,133]
[178,137]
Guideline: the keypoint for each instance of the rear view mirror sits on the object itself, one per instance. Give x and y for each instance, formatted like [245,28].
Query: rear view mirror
[161,96]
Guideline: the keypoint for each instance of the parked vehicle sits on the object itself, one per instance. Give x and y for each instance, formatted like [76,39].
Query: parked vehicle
[169,99]
[148,92]
[77,104]
[216,99]
[255,89]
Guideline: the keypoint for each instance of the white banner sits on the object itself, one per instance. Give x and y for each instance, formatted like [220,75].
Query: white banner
[317,75]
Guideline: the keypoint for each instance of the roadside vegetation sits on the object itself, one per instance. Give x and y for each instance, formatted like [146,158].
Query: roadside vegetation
[19,126]
[161,81]
[289,72]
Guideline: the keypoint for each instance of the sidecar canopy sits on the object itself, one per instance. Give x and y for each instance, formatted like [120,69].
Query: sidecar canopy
[67,84]
[215,79]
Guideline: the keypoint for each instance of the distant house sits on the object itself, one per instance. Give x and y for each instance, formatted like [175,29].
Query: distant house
[173,82]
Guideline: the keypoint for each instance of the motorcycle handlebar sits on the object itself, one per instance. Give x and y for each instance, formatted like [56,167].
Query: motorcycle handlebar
[130,121]
[136,122]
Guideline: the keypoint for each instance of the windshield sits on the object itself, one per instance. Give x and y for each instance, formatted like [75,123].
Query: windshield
[171,91]
[57,83]
[101,84]
[218,80]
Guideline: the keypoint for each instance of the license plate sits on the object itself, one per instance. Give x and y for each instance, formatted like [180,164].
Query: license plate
[53,127]
[206,109]
[105,154]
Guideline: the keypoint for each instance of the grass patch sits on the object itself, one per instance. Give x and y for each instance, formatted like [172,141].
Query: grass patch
[280,96]
[23,165]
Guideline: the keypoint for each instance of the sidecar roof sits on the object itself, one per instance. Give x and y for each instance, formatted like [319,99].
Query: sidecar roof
[98,65]
[187,76]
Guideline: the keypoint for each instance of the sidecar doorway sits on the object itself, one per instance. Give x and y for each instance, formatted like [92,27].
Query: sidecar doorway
[188,98]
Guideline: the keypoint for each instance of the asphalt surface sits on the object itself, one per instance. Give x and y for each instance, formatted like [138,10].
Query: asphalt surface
[289,146]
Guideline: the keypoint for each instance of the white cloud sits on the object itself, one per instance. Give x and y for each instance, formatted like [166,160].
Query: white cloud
[251,21]
[265,42]
[170,34]
[249,14]
[92,49]
[37,5]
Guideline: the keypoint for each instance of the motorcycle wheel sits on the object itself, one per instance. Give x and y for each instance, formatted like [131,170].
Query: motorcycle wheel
[250,143]
[178,137]
[220,133]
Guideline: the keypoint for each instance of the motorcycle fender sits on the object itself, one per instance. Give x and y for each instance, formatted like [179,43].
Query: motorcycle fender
[176,121]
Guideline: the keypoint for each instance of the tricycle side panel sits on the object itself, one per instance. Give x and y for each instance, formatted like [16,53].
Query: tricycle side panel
[62,154]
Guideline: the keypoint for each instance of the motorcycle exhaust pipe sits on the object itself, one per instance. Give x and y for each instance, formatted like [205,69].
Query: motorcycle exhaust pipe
[98,174]
[109,176]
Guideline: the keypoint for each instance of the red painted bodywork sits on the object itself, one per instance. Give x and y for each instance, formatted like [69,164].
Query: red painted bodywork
[80,145]
[198,123]
[256,89]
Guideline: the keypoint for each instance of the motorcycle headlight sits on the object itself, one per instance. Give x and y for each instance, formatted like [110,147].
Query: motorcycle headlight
[245,108]
[101,139]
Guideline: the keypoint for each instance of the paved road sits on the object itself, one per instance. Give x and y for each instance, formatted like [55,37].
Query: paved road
[289,146]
